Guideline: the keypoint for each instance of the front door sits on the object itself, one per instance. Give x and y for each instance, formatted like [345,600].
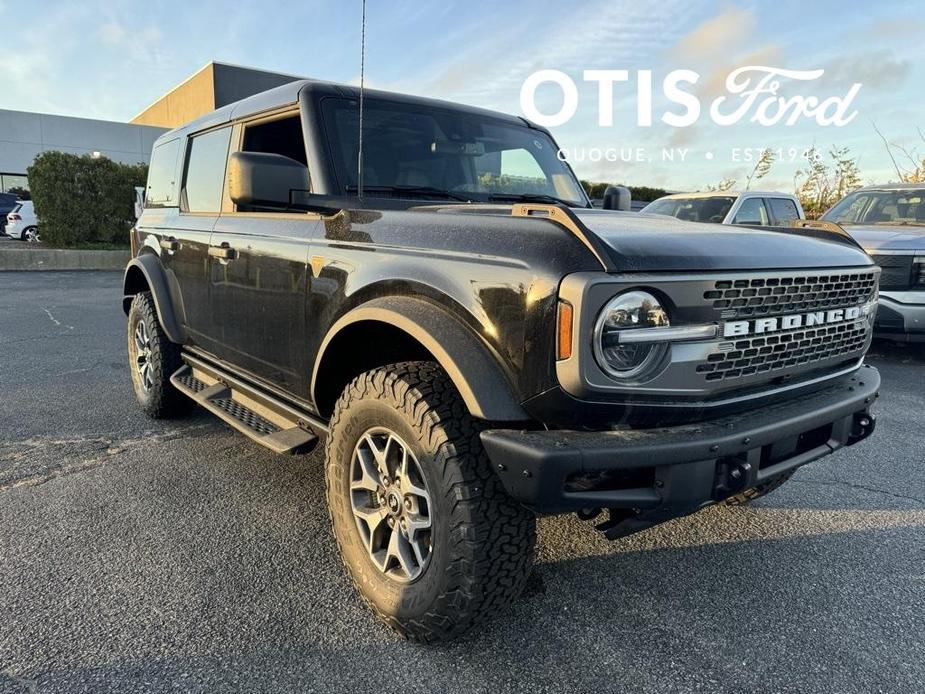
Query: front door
[259,295]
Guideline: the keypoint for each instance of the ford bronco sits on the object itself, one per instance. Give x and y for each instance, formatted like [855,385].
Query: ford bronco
[437,302]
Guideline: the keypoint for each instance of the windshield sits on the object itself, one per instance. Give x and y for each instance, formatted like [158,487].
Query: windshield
[880,207]
[698,209]
[414,151]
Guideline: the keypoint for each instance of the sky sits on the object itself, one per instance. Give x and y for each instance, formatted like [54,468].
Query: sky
[109,59]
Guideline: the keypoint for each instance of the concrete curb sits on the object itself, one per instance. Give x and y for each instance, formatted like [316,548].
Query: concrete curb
[25,259]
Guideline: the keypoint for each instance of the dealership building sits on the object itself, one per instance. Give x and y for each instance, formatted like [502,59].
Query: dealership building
[25,135]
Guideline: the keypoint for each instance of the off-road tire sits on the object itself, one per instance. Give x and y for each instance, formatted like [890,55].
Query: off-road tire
[482,540]
[161,400]
[759,490]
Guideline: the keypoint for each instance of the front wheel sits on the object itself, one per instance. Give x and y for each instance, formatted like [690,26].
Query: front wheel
[430,538]
[153,358]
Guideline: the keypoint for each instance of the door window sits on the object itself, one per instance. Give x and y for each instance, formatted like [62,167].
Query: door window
[205,171]
[752,211]
[784,210]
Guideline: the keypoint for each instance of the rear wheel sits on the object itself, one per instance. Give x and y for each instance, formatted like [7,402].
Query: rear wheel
[153,358]
[31,235]
[759,490]
[430,538]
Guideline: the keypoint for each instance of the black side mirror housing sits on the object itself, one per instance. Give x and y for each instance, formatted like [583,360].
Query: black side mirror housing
[617,198]
[259,179]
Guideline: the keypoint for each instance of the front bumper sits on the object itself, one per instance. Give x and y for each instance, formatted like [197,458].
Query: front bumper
[901,316]
[658,474]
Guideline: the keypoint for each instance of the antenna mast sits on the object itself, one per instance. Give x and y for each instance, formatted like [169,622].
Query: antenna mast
[362,84]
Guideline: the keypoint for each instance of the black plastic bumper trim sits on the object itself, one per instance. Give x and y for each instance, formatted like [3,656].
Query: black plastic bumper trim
[535,465]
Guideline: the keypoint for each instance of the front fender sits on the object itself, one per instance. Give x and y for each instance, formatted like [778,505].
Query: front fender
[468,360]
[145,273]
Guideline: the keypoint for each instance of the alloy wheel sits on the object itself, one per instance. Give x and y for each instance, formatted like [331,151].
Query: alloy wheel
[391,505]
[143,355]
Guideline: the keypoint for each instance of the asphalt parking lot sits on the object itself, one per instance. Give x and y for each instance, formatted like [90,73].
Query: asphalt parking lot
[178,556]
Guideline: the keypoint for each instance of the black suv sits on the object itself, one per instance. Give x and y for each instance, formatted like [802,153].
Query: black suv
[473,342]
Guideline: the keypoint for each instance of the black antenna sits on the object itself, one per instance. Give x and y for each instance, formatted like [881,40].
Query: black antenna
[362,76]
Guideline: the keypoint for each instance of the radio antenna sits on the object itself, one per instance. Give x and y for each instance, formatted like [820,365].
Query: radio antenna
[362,85]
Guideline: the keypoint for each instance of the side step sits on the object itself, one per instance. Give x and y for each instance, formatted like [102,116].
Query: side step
[267,420]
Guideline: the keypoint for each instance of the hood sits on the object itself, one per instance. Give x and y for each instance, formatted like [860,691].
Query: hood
[648,243]
[885,237]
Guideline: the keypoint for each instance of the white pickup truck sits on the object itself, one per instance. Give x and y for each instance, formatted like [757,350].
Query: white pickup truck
[754,208]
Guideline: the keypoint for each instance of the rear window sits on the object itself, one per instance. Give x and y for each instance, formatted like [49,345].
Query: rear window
[162,175]
[784,210]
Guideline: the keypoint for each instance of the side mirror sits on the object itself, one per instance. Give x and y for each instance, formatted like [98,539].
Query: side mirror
[617,198]
[139,201]
[265,180]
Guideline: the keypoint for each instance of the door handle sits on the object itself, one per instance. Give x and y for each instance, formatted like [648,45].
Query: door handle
[223,252]
[169,244]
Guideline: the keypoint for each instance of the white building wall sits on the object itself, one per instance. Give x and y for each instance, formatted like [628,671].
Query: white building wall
[24,135]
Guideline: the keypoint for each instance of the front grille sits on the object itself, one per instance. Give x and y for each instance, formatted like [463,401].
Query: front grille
[795,346]
[896,271]
[784,350]
[746,298]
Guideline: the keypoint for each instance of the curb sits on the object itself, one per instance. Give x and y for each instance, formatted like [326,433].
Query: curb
[32,259]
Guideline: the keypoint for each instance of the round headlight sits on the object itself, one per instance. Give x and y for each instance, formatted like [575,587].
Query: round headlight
[629,311]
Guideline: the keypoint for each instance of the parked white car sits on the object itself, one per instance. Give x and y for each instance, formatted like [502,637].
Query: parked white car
[753,208]
[22,223]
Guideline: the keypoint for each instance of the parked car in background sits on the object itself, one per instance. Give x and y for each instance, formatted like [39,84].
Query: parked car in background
[22,223]
[752,208]
[889,222]
[8,202]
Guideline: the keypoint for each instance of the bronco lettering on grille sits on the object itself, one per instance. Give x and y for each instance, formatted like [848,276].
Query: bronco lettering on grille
[798,320]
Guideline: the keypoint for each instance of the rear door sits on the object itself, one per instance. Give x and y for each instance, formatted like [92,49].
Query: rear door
[259,293]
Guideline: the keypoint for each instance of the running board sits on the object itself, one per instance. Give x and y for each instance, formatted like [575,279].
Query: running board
[267,420]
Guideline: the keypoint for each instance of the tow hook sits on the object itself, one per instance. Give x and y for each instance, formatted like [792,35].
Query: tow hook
[862,426]
[731,476]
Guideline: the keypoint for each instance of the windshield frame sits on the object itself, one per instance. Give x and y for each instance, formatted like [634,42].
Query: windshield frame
[342,179]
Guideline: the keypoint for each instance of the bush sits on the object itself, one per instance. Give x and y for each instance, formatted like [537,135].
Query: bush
[83,201]
[643,193]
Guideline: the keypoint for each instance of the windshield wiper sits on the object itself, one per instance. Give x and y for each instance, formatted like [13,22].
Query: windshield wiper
[529,197]
[410,190]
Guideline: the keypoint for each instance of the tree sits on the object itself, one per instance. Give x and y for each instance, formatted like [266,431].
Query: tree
[762,168]
[821,184]
[20,192]
[723,186]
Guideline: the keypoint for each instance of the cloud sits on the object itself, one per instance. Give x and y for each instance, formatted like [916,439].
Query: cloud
[716,37]
[874,69]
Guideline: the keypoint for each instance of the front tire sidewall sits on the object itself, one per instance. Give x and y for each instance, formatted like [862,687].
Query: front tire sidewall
[402,600]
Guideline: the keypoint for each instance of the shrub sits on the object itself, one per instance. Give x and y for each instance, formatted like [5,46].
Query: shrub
[81,201]
[643,193]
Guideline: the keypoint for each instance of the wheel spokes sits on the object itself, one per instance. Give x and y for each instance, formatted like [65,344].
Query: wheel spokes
[391,504]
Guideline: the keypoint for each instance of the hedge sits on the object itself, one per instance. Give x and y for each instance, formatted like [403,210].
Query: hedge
[83,201]
[643,193]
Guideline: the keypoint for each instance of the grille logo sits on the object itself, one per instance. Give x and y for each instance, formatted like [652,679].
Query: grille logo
[758,326]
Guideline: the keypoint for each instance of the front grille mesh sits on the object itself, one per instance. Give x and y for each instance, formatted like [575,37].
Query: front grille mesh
[745,298]
[784,350]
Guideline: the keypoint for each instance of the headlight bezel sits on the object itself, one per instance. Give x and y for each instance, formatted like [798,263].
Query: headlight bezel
[656,353]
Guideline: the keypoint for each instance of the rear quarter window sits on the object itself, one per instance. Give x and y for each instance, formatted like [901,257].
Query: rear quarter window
[162,175]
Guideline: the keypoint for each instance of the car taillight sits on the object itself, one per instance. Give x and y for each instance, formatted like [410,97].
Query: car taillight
[13,217]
